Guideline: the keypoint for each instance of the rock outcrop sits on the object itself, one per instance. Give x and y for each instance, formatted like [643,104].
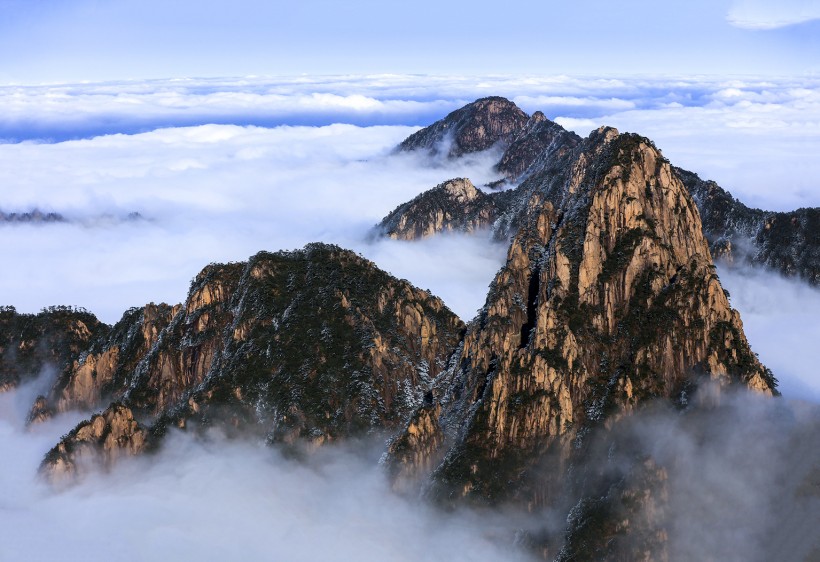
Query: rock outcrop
[299,347]
[608,300]
[104,371]
[97,442]
[453,206]
[477,126]
[53,338]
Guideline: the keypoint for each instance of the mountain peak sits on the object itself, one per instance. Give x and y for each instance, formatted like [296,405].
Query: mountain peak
[608,299]
[477,126]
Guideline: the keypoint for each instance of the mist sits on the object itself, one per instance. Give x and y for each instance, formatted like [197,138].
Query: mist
[219,193]
[215,499]
[780,319]
[742,474]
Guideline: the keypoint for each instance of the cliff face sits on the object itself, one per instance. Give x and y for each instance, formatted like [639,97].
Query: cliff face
[300,347]
[787,242]
[53,338]
[607,300]
[104,370]
[475,127]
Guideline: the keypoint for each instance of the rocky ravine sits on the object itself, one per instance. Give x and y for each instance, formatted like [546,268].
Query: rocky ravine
[536,149]
[608,300]
[298,347]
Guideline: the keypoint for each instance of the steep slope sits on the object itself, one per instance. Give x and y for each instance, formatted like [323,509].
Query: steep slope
[608,300]
[55,337]
[103,371]
[539,142]
[298,347]
[475,127]
[788,242]
[538,151]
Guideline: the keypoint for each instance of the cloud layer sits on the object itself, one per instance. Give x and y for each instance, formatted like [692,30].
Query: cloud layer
[756,137]
[218,193]
[221,500]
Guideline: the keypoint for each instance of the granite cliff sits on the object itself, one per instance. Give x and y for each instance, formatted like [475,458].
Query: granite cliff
[297,347]
[608,302]
[537,149]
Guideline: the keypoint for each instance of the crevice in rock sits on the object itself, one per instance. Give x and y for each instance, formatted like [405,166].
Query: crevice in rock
[532,302]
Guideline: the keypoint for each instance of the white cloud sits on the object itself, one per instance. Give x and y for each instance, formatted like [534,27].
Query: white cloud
[780,320]
[218,193]
[763,14]
[220,500]
[749,134]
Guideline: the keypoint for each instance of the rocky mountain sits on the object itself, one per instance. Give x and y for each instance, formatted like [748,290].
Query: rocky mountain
[453,206]
[607,308]
[478,126]
[34,216]
[299,347]
[608,301]
[786,242]
[53,338]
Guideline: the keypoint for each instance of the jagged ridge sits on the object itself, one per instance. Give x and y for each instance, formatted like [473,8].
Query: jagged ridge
[305,346]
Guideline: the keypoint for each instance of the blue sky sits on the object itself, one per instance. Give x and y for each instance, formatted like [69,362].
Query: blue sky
[72,40]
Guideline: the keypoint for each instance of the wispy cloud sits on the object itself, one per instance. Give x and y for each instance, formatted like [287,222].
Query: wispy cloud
[763,15]
[220,500]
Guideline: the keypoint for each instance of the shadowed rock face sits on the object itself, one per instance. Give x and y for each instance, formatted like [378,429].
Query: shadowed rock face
[540,141]
[299,347]
[475,127]
[788,242]
[608,300]
[53,338]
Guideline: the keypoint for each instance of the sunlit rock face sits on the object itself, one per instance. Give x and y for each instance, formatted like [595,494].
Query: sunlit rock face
[453,206]
[94,443]
[608,300]
[299,347]
[478,126]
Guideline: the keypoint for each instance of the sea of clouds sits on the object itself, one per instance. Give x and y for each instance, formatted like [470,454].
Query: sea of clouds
[754,136]
[220,169]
